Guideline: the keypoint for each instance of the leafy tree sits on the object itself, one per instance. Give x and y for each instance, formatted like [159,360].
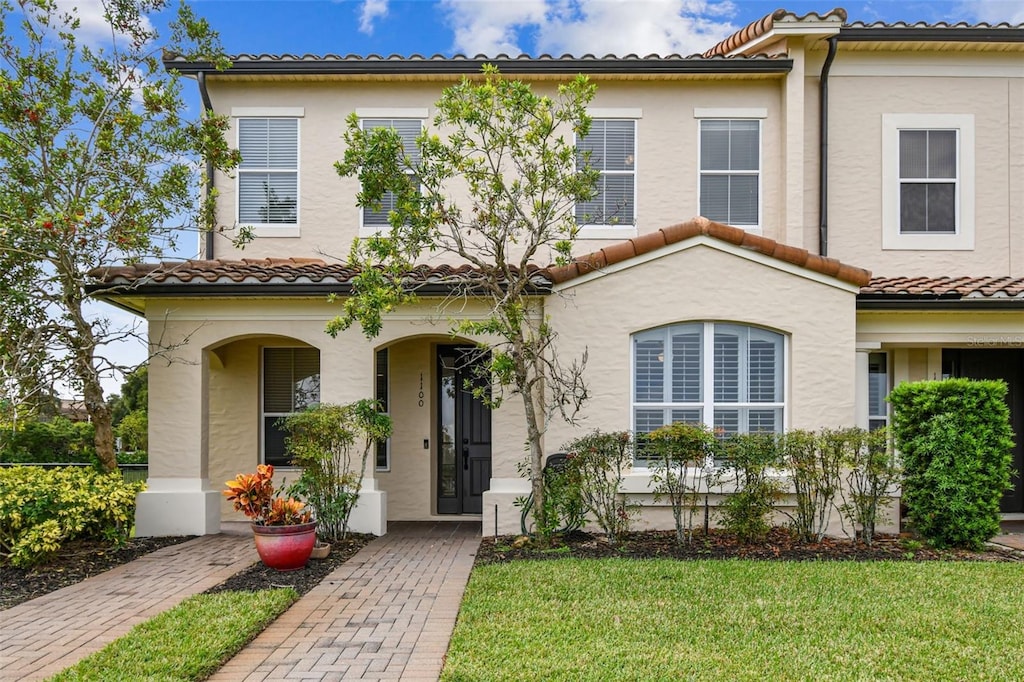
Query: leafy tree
[98,166]
[506,150]
[134,395]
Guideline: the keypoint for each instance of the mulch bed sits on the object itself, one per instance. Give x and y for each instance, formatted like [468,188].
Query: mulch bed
[76,561]
[781,544]
[259,577]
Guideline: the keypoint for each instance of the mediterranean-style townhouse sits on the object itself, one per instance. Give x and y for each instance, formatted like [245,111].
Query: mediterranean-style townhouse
[861,188]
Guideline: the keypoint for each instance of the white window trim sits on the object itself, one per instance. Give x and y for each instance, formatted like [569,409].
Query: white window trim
[707,405]
[617,231]
[271,229]
[728,115]
[963,238]
[392,113]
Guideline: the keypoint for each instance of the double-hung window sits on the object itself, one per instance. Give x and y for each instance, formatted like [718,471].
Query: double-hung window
[376,218]
[268,175]
[928,181]
[291,383]
[610,148]
[730,171]
[727,376]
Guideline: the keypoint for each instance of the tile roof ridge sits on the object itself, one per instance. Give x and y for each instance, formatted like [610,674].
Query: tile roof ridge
[701,226]
[764,25]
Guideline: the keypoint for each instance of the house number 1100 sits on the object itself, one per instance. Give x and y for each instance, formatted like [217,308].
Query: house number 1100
[420,403]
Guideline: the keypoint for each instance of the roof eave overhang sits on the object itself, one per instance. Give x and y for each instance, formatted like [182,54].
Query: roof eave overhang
[933,34]
[942,302]
[362,67]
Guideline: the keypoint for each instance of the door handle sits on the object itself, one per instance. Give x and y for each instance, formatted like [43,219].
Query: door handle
[465,454]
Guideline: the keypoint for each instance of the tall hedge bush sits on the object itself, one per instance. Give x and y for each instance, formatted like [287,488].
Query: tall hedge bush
[956,444]
[58,441]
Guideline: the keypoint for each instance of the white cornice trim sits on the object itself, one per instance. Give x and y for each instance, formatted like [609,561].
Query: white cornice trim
[392,112]
[268,112]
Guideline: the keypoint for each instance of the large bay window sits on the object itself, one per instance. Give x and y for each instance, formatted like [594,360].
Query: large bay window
[291,383]
[728,376]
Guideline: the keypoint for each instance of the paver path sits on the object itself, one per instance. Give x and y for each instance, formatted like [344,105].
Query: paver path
[45,635]
[386,614]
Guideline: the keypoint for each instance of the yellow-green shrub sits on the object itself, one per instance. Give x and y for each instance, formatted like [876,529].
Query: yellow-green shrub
[40,509]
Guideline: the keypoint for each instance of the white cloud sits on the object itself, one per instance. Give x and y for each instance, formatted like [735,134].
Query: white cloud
[994,11]
[372,9]
[93,26]
[596,27]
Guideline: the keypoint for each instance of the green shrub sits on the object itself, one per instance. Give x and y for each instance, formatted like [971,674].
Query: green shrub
[812,461]
[564,508]
[600,460]
[871,470]
[332,443]
[956,444]
[679,455]
[40,509]
[749,456]
[59,441]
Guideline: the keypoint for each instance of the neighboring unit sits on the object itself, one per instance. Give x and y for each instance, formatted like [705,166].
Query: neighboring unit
[862,194]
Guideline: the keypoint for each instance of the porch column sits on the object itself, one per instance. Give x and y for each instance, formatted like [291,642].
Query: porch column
[179,499]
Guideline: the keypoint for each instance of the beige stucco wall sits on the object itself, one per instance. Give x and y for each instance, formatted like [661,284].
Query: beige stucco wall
[862,89]
[704,283]
[667,151]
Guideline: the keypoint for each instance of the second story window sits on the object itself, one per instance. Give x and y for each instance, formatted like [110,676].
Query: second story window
[268,176]
[409,129]
[928,181]
[730,171]
[610,147]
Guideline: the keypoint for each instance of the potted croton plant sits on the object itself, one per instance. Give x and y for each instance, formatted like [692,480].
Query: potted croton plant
[283,528]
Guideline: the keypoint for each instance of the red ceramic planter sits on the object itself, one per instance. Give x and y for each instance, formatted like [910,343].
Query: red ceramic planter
[285,548]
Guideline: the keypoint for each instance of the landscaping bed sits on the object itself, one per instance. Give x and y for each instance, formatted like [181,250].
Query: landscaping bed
[781,544]
[73,563]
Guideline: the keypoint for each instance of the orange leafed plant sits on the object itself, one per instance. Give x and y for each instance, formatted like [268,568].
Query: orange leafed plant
[255,496]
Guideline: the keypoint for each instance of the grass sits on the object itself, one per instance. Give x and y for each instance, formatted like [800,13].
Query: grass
[188,642]
[740,620]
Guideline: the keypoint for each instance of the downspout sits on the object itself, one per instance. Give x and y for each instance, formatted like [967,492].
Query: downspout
[823,148]
[208,108]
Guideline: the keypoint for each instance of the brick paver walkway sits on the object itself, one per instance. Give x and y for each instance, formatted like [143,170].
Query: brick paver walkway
[386,614]
[45,635]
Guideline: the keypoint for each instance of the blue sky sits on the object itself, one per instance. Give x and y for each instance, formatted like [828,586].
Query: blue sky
[536,26]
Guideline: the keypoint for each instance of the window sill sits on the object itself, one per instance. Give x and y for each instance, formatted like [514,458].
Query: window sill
[606,232]
[366,231]
[274,230]
[894,241]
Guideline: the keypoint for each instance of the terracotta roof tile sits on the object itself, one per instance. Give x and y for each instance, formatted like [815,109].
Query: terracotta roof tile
[946,287]
[756,29]
[646,243]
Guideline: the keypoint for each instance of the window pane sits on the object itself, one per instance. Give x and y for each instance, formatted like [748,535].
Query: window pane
[686,416]
[764,421]
[649,371]
[277,380]
[379,217]
[743,200]
[727,368]
[590,149]
[714,145]
[714,197]
[267,198]
[686,369]
[941,207]
[762,371]
[306,378]
[618,199]
[727,422]
[407,128]
[743,145]
[619,145]
[649,420]
[283,143]
[253,143]
[878,383]
[274,443]
[941,153]
[913,198]
[913,154]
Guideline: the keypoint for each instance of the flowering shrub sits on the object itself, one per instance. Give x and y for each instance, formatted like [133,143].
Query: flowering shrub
[255,496]
[40,509]
[600,462]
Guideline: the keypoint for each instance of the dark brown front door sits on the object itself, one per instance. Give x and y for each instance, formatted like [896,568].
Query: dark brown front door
[464,430]
[1006,364]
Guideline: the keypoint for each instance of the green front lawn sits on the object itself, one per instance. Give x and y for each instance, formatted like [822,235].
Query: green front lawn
[740,620]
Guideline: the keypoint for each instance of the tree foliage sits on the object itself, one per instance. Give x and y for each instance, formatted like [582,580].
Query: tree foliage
[509,151]
[98,166]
